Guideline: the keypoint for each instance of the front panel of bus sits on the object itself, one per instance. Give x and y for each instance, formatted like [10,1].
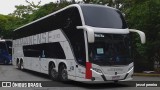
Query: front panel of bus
[110,54]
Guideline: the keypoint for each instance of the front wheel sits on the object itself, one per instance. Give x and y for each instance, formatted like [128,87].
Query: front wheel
[63,75]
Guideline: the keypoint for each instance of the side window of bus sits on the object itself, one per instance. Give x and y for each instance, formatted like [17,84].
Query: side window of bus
[46,50]
[52,50]
[31,51]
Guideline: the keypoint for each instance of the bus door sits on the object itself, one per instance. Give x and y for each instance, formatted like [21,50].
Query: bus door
[80,61]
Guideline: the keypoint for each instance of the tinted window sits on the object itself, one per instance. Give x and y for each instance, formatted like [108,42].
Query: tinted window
[104,17]
[60,20]
[74,35]
[111,49]
[47,50]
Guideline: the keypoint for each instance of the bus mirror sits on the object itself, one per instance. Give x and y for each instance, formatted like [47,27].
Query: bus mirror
[141,34]
[90,33]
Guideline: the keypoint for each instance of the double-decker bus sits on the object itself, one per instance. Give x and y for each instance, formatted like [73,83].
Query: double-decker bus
[5,51]
[81,42]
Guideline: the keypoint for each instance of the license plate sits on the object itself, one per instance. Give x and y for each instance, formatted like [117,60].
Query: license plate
[115,77]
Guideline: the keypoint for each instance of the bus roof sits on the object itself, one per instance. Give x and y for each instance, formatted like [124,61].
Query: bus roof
[73,5]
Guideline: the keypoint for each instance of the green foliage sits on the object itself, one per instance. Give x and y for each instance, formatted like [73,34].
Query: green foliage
[8,24]
[25,14]
[47,9]
[3,21]
[145,16]
[23,11]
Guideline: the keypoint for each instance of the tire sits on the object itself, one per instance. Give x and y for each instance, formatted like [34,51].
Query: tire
[21,65]
[63,75]
[18,65]
[52,72]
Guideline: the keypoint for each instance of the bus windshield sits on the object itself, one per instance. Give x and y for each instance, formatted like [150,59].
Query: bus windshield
[110,49]
[102,16]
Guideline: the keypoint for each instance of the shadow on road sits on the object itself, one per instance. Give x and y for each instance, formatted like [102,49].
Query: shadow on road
[37,74]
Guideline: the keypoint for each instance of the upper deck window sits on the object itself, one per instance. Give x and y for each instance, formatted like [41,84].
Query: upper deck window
[103,17]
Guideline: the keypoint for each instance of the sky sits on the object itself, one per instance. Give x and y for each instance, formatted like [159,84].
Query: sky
[8,6]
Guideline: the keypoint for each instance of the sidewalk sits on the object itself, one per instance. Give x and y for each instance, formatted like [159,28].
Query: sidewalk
[147,74]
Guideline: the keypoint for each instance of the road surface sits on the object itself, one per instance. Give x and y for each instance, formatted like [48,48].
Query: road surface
[10,73]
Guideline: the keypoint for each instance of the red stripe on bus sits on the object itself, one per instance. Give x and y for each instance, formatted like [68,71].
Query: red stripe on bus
[88,71]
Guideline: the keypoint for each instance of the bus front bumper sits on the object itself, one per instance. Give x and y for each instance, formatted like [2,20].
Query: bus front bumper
[106,77]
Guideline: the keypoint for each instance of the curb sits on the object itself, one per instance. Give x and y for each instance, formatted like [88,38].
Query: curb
[146,74]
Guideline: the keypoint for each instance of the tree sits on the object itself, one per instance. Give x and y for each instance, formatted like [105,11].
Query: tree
[23,11]
[7,25]
[47,9]
[3,21]
[145,15]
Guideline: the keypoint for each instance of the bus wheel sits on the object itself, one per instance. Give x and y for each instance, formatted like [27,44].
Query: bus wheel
[21,65]
[63,75]
[18,64]
[52,72]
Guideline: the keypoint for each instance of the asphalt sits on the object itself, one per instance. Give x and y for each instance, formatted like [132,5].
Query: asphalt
[10,73]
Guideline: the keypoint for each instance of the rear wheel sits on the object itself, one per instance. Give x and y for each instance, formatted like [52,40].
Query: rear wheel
[21,65]
[63,75]
[52,72]
[18,64]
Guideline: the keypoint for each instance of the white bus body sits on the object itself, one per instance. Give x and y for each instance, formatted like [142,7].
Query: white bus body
[79,42]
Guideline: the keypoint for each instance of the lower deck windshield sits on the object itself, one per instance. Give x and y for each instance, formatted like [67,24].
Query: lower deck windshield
[110,49]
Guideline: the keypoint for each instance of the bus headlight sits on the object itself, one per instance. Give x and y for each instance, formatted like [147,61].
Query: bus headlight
[96,70]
